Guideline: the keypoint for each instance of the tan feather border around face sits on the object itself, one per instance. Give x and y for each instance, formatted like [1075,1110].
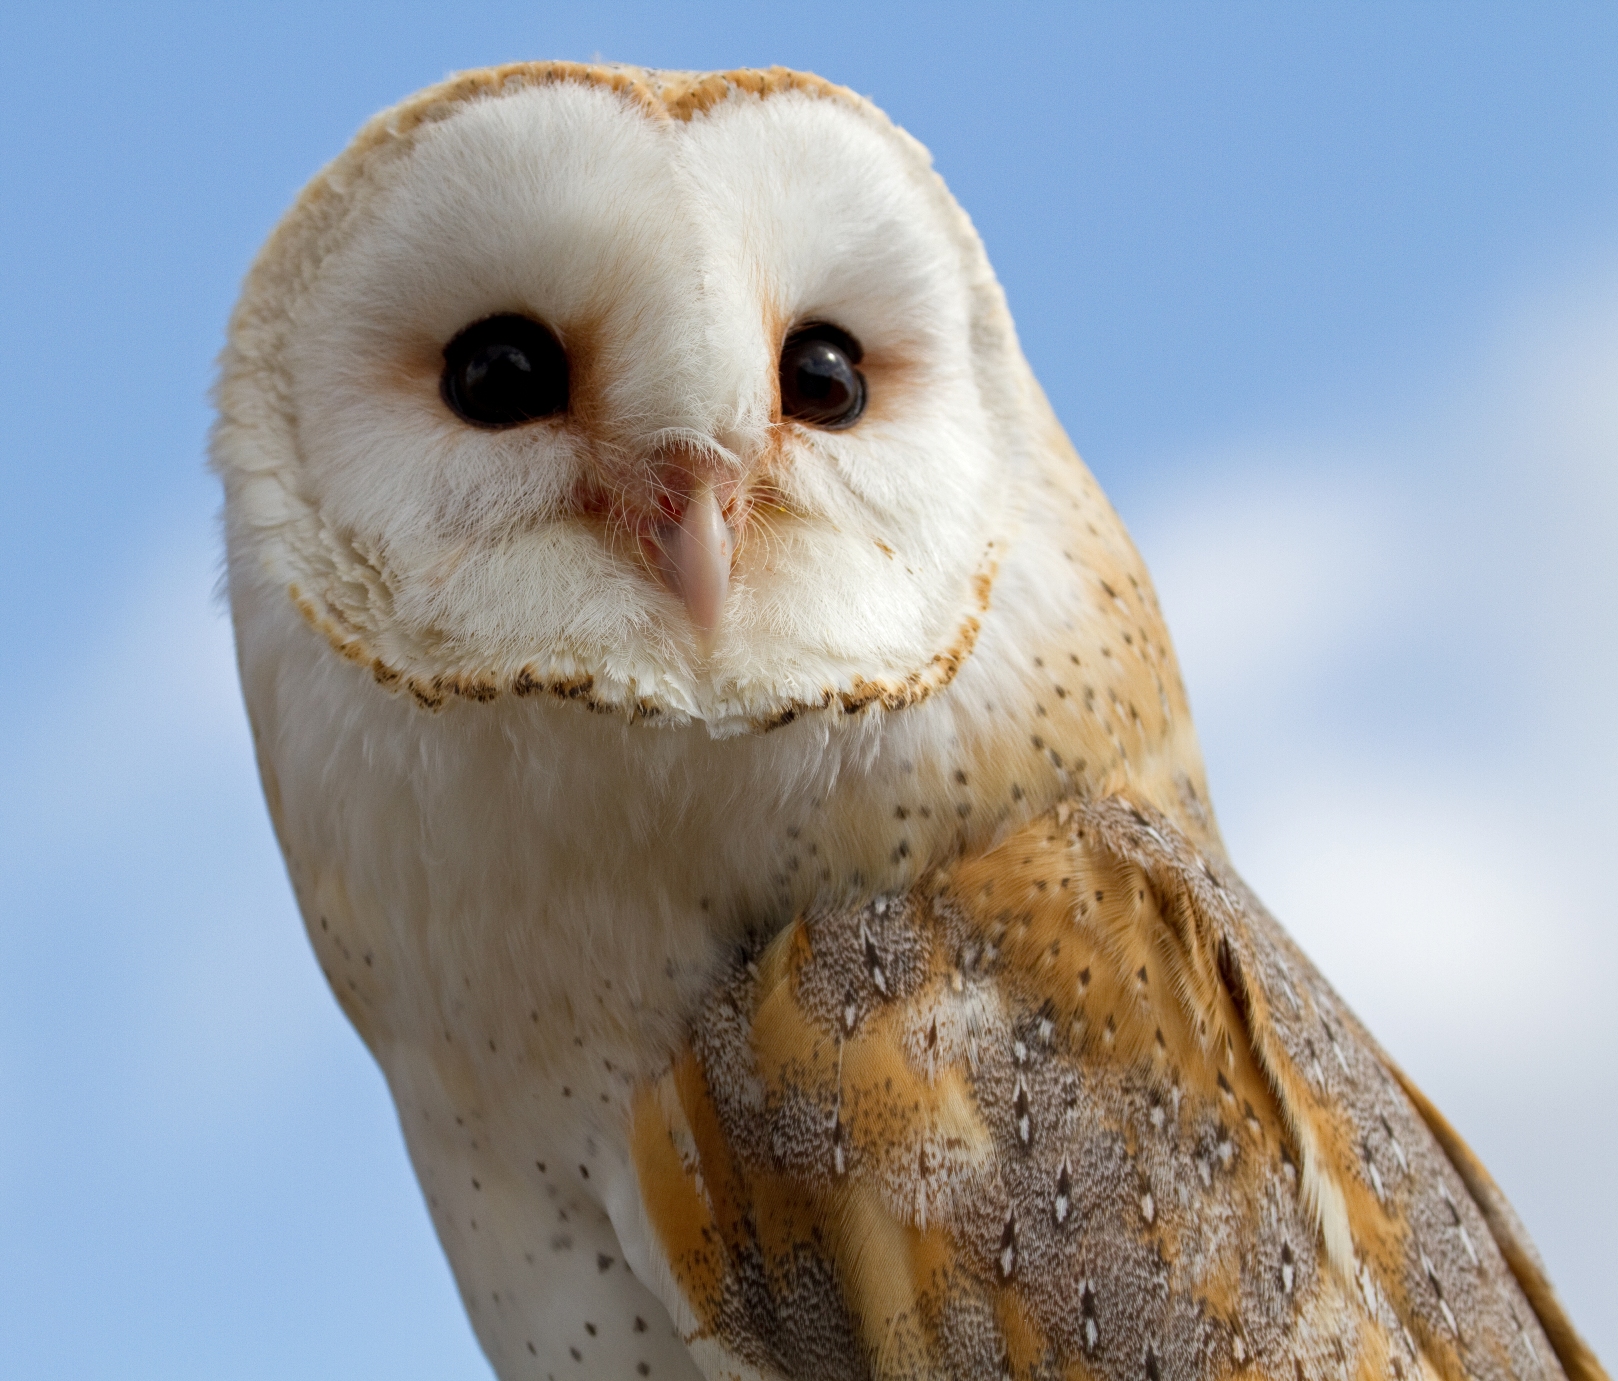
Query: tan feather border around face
[433,693]
[662,95]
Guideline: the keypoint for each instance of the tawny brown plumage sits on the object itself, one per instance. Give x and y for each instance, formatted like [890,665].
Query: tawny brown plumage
[1045,1115]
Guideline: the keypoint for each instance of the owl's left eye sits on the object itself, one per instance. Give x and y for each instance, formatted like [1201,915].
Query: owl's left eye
[504,370]
[819,383]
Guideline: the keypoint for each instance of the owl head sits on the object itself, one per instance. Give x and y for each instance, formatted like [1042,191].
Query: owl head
[691,399]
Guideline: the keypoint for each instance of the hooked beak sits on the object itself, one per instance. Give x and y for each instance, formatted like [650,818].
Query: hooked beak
[692,555]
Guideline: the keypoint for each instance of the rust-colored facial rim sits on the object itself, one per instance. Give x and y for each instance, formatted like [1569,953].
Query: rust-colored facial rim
[661,96]
[436,691]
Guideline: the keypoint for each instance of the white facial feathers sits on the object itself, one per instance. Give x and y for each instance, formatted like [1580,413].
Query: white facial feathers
[671,257]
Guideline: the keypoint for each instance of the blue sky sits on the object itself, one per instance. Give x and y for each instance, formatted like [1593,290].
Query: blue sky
[1328,297]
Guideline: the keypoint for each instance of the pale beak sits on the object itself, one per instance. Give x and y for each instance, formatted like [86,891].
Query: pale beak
[695,562]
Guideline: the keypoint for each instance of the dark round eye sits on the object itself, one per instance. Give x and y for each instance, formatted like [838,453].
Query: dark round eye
[504,370]
[819,383]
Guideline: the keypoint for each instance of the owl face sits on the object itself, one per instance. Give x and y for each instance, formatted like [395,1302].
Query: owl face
[693,406]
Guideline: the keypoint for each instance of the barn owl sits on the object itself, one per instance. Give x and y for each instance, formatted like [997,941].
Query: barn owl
[737,781]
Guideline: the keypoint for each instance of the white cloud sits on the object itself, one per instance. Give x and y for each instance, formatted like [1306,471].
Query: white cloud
[169,706]
[135,809]
[1278,573]
[1402,654]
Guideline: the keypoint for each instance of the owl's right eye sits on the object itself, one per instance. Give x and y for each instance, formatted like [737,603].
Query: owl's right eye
[504,370]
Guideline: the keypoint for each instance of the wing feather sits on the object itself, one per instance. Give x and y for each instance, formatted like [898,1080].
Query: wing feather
[1075,1107]
[1578,1361]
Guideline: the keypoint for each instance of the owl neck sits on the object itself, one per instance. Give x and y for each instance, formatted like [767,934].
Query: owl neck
[576,861]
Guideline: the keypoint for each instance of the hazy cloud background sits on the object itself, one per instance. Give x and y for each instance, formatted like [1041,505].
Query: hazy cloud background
[1329,299]
[1410,738]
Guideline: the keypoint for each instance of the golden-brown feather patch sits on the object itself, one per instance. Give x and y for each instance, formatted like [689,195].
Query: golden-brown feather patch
[1073,1107]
